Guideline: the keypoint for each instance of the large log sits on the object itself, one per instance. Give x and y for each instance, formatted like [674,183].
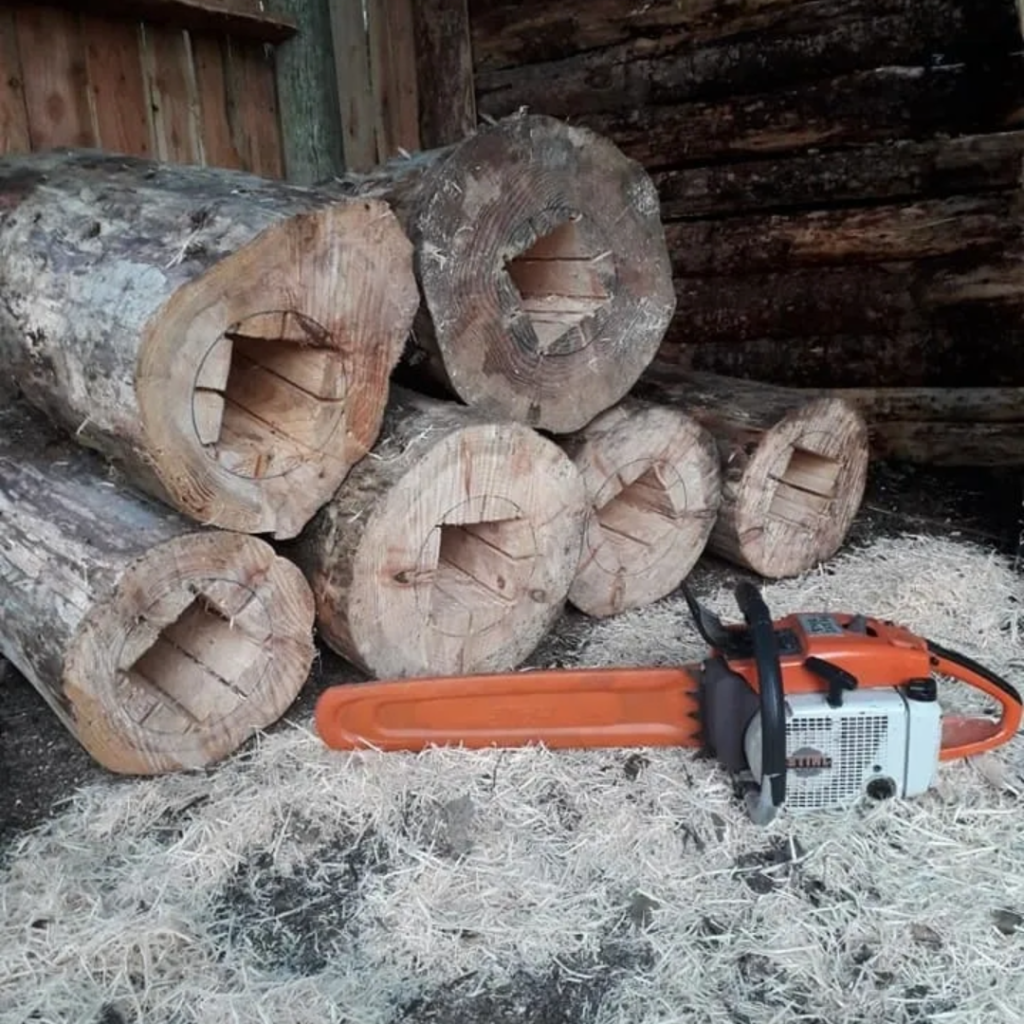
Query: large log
[450,548]
[887,171]
[801,41]
[161,645]
[654,482]
[963,226]
[841,112]
[954,426]
[794,469]
[542,264]
[511,33]
[225,339]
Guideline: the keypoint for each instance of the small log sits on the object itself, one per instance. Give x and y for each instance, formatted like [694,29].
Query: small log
[542,264]
[794,469]
[227,340]
[450,548]
[159,644]
[654,482]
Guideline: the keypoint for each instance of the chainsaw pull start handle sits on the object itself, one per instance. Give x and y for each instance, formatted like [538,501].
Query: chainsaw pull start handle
[773,707]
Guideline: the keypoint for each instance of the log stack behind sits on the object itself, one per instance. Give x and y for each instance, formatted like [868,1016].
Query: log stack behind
[839,179]
[450,548]
[159,644]
[226,339]
[542,264]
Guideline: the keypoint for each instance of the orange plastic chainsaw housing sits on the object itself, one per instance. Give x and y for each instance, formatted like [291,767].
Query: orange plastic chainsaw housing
[633,706]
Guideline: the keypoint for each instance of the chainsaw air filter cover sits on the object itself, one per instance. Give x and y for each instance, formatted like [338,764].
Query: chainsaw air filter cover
[880,743]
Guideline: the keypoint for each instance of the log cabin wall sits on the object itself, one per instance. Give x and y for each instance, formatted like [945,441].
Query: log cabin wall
[839,178]
[188,83]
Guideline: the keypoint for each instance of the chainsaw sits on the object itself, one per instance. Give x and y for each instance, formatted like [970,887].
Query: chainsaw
[815,710]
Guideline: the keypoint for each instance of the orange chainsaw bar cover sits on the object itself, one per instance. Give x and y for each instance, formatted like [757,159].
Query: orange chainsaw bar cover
[579,708]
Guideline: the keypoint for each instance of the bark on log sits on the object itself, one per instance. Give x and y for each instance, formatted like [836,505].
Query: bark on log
[850,110]
[510,33]
[160,645]
[542,264]
[654,482]
[227,340]
[450,548]
[886,171]
[963,226]
[794,470]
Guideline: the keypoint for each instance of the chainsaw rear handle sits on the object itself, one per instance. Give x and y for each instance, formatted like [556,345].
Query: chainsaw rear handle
[773,706]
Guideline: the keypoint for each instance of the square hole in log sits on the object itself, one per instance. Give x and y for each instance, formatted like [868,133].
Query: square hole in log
[806,489]
[641,512]
[190,675]
[560,282]
[270,393]
[482,570]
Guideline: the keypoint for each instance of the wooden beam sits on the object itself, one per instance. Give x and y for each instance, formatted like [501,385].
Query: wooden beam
[393,74]
[307,94]
[355,94]
[444,63]
[243,18]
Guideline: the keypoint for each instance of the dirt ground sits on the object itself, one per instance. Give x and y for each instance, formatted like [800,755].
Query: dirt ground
[41,764]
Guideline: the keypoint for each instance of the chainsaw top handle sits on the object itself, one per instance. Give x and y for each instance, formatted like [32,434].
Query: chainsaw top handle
[763,804]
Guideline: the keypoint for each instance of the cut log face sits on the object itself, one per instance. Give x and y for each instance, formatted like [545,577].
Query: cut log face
[542,265]
[159,644]
[794,469]
[450,548]
[654,482]
[226,340]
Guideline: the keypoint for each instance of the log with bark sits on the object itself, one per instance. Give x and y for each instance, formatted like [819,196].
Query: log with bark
[954,426]
[227,340]
[450,548]
[794,469]
[542,265]
[653,477]
[160,644]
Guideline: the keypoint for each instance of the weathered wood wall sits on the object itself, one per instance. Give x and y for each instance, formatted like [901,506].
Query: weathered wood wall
[192,84]
[839,178]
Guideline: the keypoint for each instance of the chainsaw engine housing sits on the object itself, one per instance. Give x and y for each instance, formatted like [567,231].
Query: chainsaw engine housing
[879,743]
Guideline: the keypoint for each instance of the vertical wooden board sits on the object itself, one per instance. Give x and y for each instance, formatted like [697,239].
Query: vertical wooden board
[55,80]
[355,90]
[13,114]
[393,75]
[307,93]
[208,56]
[444,62]
[117,87]
[252,107]
[170,83]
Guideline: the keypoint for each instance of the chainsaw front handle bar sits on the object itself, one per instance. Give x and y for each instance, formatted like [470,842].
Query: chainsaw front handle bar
[772,795]
[964,735]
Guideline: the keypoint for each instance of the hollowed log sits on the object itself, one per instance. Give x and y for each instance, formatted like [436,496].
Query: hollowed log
[542,265]
[450,548]
[794,469]
[654,482]
[226,339]
[161,645]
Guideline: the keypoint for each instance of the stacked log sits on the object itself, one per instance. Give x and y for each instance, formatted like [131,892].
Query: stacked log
[794,468]
[654,482]
[161,645]
[450,548]
[541,260]
[836,178]
[227,340]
